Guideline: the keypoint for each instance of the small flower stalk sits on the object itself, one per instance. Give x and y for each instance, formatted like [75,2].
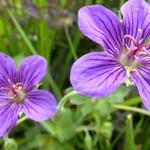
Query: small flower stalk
[18,92]
[126,55]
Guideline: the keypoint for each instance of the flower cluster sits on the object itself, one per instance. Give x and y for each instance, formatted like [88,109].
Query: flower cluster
[126,55]
[18,92]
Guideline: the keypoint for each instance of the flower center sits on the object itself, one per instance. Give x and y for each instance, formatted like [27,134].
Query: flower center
[133,50]
[16,93]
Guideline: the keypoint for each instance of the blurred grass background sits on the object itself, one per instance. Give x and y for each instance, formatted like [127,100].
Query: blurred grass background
[49,28]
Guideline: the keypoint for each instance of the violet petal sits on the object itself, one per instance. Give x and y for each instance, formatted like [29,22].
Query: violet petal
[96,74]
[140,78]
[31,71]
[8,117]
[136,14]
[102,26]
[39,105]
[7,71]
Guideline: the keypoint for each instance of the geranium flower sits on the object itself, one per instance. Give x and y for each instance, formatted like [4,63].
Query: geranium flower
[18,92]
[126,56]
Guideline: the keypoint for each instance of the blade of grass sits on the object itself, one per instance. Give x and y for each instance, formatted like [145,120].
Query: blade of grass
[76,42]
[129,134]
[70,44]
[24,36]
[138,126]
[53,85]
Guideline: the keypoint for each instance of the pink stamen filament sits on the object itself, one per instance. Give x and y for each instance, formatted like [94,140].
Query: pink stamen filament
[139,35]
[131,38]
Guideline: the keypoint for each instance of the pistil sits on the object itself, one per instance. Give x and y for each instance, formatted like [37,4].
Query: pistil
[128,82]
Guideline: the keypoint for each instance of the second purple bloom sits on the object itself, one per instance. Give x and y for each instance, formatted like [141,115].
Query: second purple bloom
[18,92]
[126,58]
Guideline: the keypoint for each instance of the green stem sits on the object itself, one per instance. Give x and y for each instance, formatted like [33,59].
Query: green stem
[24,36]
[86,128]
[70,44]
[21,120]
[133,109]
[65,99]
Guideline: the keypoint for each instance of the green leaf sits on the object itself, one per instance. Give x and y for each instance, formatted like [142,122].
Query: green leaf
[133,101]
[88,107]
[63,125]
[47,142]
[118,96]
[79,99]
[10,144]
[103,107]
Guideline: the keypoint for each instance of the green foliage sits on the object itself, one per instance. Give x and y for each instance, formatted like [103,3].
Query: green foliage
[63,127]
[10,144]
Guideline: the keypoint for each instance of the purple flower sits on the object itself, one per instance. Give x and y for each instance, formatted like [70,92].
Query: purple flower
[126,58]
[18,92]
